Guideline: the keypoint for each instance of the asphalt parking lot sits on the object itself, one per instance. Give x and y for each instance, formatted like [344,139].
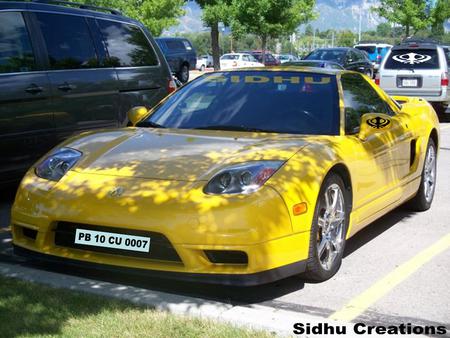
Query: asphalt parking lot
[394,271]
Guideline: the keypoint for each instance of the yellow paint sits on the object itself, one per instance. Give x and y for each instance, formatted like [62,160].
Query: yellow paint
[363,301]
[162,173]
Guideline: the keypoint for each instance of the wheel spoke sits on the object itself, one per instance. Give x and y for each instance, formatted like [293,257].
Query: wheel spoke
[321,247]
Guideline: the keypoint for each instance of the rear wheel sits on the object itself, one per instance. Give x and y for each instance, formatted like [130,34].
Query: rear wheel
[183,74]
[328,230]
[424,197]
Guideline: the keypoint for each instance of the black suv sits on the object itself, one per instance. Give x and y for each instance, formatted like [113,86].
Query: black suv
[180,55]
[64,70]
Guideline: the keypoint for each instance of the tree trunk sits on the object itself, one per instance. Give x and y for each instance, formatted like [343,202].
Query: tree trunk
[215,45]
[263,48]
[407,30]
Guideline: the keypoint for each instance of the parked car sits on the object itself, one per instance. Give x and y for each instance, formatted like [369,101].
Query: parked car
[180,54]
[269,59]
[312,63]
[64,70]
[238,60]
[204,61]
[241,177]
[416,68]
[285,58]
[375,51]
[349,58]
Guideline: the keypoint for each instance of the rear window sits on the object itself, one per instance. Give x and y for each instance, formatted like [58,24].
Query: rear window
[368,49]
[281,102]
[413,58]
[175,44]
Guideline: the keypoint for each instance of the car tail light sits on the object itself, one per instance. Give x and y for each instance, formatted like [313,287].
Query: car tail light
[444,80]
[171,86]
[377,79]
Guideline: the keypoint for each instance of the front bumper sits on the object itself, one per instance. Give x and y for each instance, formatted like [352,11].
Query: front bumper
[258,225]
[251,279]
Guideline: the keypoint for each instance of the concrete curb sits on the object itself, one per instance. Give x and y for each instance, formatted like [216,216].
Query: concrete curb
[280,322]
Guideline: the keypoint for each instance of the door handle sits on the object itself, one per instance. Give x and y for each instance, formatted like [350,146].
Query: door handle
[34,89]
[66,87]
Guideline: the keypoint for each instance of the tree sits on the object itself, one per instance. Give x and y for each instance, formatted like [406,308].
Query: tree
[271,18]
[410,14]
[156,15]
[309,30]
[384,29]
[440,14]
[215,12]
[346,38]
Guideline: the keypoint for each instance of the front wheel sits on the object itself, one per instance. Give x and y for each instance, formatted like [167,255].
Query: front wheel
[328,230]
[424,197]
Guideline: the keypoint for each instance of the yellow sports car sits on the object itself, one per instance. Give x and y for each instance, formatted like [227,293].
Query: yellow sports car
[239,177]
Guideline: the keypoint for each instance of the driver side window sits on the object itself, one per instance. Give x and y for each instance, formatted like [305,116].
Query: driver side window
[359,99]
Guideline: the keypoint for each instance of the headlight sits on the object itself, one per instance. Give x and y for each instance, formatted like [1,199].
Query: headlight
[57,164]
[243,178]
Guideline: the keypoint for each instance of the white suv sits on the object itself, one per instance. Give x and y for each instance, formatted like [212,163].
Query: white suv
[417,69]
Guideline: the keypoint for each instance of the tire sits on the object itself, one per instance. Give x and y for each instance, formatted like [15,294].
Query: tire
[369,73]
[183,74]
[425,194]
[322,266]
[202,68]
[440,108]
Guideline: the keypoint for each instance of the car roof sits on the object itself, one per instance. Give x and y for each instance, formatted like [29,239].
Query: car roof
[373,44]
[326,71]
[170,38]
[63,7]
[335,48]
[415,45]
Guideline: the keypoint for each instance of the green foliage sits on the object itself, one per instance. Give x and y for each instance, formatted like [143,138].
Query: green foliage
[346,38]
[271,18]
[408,13]
[440,13]
[33,310]
[384,29]
[156,15]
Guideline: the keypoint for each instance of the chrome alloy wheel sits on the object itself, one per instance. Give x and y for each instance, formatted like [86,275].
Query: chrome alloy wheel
[331,223]
[429,178]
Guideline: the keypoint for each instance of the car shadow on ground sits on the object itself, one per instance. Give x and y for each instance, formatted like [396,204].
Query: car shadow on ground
[228,294]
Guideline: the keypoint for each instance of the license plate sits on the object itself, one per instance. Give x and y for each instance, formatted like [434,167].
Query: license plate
[112,240]
[409,82]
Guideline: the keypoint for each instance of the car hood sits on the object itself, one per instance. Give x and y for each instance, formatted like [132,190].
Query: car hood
[174,154]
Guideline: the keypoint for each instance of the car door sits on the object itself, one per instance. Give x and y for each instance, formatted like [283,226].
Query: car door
[85,95]
[382,160]
[26,116]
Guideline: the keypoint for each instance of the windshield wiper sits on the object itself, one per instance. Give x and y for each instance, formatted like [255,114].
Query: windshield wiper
[149,124]
[236,128]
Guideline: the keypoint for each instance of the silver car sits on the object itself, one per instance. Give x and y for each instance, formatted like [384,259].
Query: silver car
[417,69]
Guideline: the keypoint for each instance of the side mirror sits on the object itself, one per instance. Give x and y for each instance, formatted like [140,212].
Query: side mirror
[136,114]
[373,123]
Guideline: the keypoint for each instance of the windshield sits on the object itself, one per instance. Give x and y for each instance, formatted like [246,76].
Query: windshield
[413,58]
[280,102]
[327,54]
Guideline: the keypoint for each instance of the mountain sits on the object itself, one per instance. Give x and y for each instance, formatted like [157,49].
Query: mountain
[333,14]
